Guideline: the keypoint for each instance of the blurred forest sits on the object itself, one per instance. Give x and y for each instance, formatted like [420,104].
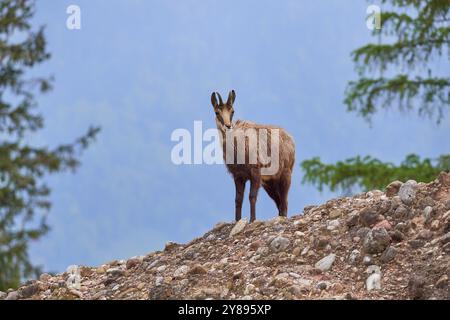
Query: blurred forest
[412,36]
[24,197]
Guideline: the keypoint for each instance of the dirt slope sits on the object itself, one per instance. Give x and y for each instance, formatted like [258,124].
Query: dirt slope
[376,245]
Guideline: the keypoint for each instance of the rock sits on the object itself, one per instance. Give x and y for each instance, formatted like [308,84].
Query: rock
[425,235]
[336,213]
[407,192]
[277,220]
[296,290]
[425,202]
[416,244]
[322,285]
[304,284]
[427,212]
[100,270]
[278,227]
[197,269]
[181,271]
[393,188]
[282,280]
[352,219]
[297,251]
[140,286]
[368,217]
[45,277]
[256,244]
[131,263]
[160,292]
[442,283]
[299,222]
[444,178]
[99,295]
[388,254]
[447,205]
[337,287]
[402,227]
[333,224]
[262,251]
[159,281]
[416,286]
[115,272]
[238,227]
[376,241]
[189,254]
[321,243]
[3,295]
[237,275]
[249,289]
[397,236]
[373,282]
[362,232]
[161,268]
[383,224]
[219,226]
[299,234]
[354,257]
[367,260]
[170,245]
[13,295]
[445,238]
[325,263]
[435,224]
[28,291]
[446,247]
[305,251]
[210,237]
[373,269]
[446,215]
[76,293]
[401,212]
[279,244]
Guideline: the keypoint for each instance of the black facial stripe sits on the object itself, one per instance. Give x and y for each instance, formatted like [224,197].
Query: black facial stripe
[220,118]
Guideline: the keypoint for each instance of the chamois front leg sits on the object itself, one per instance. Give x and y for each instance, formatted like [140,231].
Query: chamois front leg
[240,188]
[255,183]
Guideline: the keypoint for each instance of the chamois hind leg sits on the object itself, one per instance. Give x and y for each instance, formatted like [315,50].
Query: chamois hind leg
[272,191]
[284,185]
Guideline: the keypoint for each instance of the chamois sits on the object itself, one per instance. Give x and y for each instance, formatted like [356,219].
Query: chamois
[276,183]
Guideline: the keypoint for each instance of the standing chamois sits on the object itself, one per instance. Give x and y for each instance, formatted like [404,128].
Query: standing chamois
[276,183]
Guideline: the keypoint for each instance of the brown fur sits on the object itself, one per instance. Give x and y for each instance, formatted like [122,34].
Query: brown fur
[276,185]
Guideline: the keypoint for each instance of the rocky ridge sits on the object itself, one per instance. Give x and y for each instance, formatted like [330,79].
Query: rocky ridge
[376,245]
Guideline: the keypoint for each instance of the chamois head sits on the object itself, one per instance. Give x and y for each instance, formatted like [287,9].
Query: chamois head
[224,111]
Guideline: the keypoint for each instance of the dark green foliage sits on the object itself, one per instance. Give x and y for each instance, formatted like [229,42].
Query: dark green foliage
[415,35]
[369,173]
[24,197]
[395,72]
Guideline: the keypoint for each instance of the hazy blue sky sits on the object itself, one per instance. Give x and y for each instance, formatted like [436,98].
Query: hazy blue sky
[141,69]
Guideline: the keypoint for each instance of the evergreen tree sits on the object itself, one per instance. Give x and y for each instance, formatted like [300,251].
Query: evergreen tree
[396,71]
[24,197]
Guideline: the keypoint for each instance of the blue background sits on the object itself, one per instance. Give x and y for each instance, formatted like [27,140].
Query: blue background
[141,69]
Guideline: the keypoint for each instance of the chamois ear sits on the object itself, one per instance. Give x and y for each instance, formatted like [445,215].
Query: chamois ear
[231,97]
[220,98]
[214,100]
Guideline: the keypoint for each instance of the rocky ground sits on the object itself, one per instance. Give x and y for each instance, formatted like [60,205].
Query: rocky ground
[376,245]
